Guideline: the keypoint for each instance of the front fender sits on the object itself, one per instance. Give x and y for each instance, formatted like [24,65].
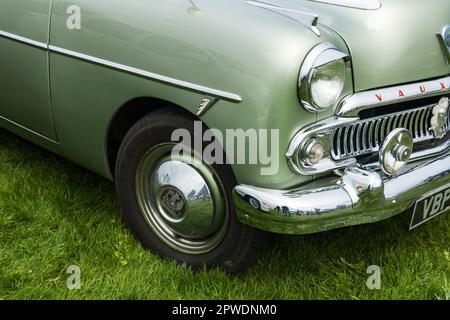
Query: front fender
[229,46]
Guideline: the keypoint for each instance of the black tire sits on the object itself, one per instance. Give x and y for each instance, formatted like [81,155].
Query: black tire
[240,243]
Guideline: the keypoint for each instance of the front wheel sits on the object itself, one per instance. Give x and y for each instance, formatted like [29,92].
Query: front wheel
[177,205]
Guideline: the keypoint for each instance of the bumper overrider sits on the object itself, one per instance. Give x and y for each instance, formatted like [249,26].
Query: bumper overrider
[359,196]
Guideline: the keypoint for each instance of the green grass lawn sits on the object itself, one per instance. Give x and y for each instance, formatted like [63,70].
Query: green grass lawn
[54,214]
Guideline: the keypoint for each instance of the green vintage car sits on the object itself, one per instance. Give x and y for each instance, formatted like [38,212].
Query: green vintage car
[351,97]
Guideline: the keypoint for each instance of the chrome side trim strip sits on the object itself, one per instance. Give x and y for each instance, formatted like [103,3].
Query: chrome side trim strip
[147,74]
[30,42]
[15,124]
[117,66]
[353,104]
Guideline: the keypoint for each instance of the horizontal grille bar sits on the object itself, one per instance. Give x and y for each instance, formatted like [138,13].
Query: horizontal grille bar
[366,136]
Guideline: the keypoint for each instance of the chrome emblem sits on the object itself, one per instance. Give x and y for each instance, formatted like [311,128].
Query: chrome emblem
[439,119]
[444,40]
[205,105]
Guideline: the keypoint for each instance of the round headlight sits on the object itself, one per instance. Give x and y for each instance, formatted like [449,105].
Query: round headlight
[327,83]
[322,78]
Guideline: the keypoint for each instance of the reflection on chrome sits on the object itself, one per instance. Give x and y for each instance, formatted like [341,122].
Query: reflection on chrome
[360,196]
[181,201]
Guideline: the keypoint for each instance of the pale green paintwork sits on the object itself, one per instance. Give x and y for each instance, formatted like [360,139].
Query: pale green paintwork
[226,45]
[392,45]
[27,18]
[260,64]
[24,80]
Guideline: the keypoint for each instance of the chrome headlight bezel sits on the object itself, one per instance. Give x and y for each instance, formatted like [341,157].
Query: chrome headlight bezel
[321,55]
[323,133]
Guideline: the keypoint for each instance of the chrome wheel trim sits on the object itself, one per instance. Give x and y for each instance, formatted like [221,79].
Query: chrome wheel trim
[182,200]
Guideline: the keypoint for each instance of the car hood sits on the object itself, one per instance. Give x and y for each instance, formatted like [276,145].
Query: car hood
[390,44]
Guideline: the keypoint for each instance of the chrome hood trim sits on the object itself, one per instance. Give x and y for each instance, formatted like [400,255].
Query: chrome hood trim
[308,19]
[352,105]
[356,4]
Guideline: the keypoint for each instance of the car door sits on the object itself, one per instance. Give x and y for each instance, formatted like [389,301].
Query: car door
[25,104]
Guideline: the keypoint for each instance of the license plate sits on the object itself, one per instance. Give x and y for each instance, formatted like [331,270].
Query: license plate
[431,206]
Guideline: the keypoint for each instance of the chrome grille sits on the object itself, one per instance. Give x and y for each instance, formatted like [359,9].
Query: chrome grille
[366,136]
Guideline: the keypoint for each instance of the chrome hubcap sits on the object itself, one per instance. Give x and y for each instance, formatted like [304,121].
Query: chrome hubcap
[182,200]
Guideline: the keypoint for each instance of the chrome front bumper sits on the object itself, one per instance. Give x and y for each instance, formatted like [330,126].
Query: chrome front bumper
[360,196]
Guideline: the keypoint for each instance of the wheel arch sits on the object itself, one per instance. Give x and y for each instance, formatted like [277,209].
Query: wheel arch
[126,116]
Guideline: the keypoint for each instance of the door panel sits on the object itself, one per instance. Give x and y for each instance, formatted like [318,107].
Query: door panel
[24,76]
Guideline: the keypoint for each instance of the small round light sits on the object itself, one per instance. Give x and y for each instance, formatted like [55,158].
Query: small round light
[313,152]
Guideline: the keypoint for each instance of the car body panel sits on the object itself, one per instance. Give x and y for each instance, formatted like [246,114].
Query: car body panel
[392,45]
[213,53]
[26,18]
[24,80]
[230,46]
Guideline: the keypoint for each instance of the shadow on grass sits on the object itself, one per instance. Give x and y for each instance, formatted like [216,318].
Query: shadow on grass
[43,164]
[53,186]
